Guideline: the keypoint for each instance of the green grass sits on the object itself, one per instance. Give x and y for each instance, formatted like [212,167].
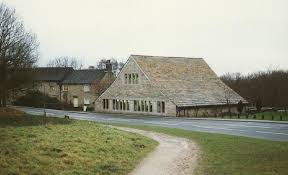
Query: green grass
[38,145]
[232,155]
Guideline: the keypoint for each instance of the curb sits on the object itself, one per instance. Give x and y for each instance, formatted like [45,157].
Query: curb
[234,120]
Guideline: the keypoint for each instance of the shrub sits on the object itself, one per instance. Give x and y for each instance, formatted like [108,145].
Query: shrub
[38,99]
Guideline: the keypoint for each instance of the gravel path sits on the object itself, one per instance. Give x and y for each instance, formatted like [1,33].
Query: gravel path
[173,155]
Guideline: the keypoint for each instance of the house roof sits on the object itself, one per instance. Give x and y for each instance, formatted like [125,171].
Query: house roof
[186,81]
[50,73]
[85,76]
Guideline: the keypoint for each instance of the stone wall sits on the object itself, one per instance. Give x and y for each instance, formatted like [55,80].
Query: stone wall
[142,91]
[52,89]
[77,91]
[206,111]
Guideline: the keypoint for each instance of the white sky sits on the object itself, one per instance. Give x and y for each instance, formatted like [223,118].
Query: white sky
[231,35]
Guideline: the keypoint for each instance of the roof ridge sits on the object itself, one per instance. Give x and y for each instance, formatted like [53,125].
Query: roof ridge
[157,56]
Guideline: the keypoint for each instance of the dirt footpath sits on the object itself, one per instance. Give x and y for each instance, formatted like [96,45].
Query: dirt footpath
[173,156]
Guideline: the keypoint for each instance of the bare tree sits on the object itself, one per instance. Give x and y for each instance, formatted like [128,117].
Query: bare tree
[269,86]
[101,86]
[116,65]
[65,61]
[18,51]
[227,97]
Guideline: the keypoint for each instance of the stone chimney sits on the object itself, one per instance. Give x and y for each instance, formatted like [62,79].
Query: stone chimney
[108,66]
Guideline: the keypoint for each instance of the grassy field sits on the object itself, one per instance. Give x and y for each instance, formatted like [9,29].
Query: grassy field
[233,155]
[38,145]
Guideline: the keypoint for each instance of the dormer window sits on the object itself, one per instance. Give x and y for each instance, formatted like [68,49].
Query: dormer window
[86,88]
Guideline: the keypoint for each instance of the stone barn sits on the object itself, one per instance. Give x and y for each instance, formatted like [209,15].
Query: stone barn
[167,86]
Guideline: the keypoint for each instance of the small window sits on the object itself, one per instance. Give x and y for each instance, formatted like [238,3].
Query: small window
[64,88]
[127,105]
[150,107]
[114,105]
[133,79]
[136,79]
[139,105]
[142,106]
[86,101]
[124,105]
[160,106]
[120,107]
[135,105]
[105,104]
[86,88]
[126,78]
[163,107]
[117,104]
[130,77]
[146,106]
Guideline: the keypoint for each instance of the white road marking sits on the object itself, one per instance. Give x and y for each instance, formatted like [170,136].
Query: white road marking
[209,127]
[278,133]
[241,125]
[248,126]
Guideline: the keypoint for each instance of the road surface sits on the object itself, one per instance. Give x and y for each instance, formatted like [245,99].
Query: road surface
[261,130]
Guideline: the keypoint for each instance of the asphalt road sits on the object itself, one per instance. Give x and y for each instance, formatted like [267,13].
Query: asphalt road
[262,130]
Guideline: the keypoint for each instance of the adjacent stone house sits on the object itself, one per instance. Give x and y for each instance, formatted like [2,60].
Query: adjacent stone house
[83,87]
[49,79]
[167,86]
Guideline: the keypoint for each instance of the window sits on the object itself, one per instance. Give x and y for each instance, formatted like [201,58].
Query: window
[120,107]
[131,78]
[114,104]
[146,106]
[127,105]
[117,104]
[86,88]
[163,106]
[124,105]
[135,105]
[121,104]
[86,101]
[126,79]
[136,79]
[64,88]
[105,103]
[142,105]
[150,107]
[160,106]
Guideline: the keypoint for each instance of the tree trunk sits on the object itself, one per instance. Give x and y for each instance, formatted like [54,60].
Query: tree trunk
[4,95]
[1,98]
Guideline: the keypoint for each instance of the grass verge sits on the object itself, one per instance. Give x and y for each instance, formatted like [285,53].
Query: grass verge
[46,145]
[232,155]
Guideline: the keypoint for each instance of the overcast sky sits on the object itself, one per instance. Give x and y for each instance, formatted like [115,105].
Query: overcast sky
[231,35]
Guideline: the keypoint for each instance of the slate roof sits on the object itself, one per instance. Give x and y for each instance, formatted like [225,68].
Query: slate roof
[50,73]
[186,81]
[85,76]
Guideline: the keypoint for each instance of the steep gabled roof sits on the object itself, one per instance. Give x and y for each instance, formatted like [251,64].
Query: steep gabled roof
[85,76]
[186,81]
[50,73]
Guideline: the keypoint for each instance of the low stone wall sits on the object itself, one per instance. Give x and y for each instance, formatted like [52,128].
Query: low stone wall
[206,111]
